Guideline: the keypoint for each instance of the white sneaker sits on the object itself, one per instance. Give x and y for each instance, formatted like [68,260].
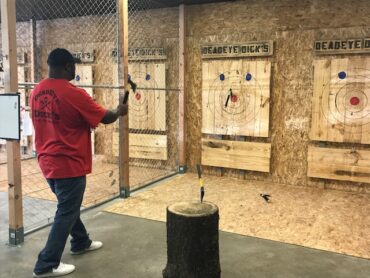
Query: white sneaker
[94,246]
[62,269]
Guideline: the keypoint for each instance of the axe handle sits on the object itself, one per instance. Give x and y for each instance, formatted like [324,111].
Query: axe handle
[199,171]
[125,97]
[132,84]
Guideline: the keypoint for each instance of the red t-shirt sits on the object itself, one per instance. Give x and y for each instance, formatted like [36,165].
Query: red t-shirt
[63,116]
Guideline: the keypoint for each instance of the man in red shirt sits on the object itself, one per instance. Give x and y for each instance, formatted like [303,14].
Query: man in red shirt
[63,116]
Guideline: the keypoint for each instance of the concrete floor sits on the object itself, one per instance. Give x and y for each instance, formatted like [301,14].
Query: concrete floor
[36,212]
[135,247]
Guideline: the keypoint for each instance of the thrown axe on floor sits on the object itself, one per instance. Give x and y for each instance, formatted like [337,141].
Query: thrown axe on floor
[266,197]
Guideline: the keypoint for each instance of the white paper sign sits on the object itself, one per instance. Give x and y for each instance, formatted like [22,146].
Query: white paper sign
[9,116]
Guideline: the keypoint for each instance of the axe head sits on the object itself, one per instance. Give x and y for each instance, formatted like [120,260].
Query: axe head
[132,84]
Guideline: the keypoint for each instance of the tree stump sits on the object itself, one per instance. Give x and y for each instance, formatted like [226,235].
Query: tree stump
[192,241]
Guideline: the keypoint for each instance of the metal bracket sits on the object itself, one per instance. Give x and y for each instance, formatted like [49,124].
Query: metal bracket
[183,169]
[16,237]
[124,193]
[322,144]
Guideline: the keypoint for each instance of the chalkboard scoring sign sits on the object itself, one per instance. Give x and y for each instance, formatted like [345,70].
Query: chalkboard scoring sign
[144,53]
[342,46]
[248,49]
[84,56]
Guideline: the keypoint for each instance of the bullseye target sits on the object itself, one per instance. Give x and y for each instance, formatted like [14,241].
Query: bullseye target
[148,103]
[236,98]
[147,106]
[341,111]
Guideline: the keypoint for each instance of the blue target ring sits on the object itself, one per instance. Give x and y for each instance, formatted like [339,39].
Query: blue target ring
[147,77]
[78,78]
[342,75]
[222,77]
[248,77]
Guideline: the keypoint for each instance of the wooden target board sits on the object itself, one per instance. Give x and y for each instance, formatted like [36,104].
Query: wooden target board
[84,76]
[235,154]
[147,106]
[147,111]
[145,146]
[235,97]
[341,100]
[339,164]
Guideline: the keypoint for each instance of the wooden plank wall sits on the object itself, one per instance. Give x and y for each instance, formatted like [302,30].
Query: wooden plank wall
[145,146]
[334,117]
[339,164]
[236,154]
[245,111]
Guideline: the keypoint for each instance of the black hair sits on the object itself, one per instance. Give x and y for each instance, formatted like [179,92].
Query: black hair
[60,57]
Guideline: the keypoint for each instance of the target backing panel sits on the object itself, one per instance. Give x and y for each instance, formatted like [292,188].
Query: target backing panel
[236,154]
[145,146]
[235,97]
[339,164]
[341,100]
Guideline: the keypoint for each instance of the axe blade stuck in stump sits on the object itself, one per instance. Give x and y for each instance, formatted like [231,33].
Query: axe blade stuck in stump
[201,183]
[192,241]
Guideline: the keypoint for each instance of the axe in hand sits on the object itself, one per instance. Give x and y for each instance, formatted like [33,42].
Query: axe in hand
[127,93]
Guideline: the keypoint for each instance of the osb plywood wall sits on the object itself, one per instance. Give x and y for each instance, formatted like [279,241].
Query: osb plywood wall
[294,26]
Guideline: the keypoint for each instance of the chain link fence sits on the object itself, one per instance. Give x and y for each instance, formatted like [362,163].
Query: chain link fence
[89,29]
[153,65]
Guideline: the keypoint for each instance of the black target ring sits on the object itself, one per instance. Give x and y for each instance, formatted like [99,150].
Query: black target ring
[139,101]
[248,91]
[349,106]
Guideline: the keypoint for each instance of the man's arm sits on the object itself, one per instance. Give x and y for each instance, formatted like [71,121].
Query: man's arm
[111,116]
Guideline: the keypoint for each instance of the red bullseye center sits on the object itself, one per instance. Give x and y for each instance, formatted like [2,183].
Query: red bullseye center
[138,96]
[354,101]
[234,98]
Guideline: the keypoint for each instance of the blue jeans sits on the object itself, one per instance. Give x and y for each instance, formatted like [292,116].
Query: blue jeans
[69,192]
